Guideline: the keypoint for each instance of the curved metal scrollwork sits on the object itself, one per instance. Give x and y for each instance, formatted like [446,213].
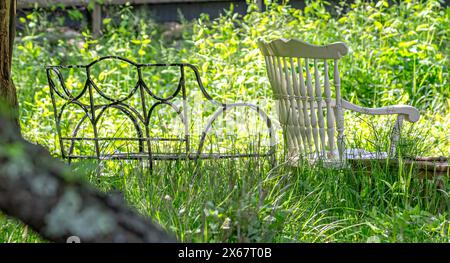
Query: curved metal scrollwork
[140,118]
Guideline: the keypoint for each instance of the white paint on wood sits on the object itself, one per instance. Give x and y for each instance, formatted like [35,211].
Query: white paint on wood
[321,124]
[312,113]
[330,112]
[301,135]
[297,48]
[302,107]
[304,99]
[338,110]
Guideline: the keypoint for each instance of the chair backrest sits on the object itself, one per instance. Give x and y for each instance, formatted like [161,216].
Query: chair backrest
[310,111]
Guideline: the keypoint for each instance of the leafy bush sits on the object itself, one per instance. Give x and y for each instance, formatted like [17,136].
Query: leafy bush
[399,53]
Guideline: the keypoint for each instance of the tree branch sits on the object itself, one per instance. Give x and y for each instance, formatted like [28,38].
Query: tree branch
[44,193]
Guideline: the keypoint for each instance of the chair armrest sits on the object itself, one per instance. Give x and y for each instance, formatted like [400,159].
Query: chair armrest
[411,114]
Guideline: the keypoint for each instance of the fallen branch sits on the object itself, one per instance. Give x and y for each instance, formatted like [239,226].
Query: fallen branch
[428,167]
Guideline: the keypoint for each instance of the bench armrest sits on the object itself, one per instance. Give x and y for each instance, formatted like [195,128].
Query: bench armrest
[224,107]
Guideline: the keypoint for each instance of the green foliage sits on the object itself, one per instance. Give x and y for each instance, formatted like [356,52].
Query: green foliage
[398,53]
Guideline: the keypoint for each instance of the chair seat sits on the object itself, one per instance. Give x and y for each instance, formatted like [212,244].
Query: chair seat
[363,154]
[333,159]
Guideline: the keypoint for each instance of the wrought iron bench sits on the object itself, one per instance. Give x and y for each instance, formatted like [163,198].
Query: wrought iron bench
[82,106]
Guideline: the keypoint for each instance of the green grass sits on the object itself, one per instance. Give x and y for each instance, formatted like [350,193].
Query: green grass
[241,201]
[398,54]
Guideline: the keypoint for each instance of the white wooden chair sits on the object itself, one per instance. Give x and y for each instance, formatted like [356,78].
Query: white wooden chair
[312,116]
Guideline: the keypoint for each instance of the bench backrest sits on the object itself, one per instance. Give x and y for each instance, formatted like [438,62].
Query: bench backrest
[137,103]
[114,108]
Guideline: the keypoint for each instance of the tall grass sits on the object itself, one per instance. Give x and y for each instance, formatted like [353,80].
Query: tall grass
[248,200]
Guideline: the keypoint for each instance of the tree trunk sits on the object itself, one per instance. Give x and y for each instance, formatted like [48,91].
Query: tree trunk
[43,192]
[7,32]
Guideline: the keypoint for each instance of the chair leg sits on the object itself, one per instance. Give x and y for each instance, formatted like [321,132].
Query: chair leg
[272,157]
[341,148]
[340,136]
[396,133]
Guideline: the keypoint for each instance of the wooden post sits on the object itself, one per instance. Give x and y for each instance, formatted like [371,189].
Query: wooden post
[260,4]
[8,95]
[97,20]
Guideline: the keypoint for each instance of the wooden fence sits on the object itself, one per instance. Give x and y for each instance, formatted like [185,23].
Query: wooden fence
[96,5]
[47,3]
